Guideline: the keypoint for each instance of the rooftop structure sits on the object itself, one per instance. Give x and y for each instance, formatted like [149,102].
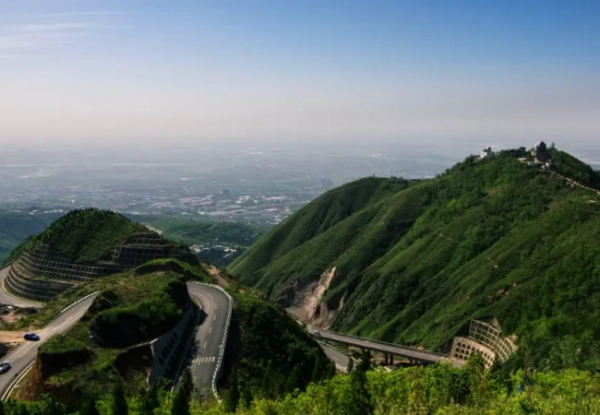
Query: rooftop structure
[486,153]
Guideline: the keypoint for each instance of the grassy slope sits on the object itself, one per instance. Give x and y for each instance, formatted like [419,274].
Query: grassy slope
[491,239]
[571,167]
[128,311]
[16,226]
[311,221]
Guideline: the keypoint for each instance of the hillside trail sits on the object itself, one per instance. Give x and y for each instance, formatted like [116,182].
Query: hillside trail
[220,277]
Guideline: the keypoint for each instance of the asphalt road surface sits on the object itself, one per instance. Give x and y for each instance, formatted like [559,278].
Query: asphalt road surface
[24,355]
[7,298]
[422,355]
[205,349]
[340,359]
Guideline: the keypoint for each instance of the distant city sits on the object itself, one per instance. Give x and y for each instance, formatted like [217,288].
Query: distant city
[261,185]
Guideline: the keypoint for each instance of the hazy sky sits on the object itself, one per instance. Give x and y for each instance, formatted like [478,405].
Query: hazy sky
[190,70]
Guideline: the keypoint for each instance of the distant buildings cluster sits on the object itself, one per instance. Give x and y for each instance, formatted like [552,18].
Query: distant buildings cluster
[539,155]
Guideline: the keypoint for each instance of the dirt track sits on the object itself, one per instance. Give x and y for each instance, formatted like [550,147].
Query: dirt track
[11,336]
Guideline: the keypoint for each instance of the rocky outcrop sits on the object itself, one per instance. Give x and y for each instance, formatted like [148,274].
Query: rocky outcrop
[307,305]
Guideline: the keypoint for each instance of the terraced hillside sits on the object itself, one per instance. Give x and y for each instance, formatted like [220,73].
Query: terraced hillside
[414,262]
[80,247]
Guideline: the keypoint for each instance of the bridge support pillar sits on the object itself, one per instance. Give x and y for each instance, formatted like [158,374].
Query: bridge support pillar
[385,359]
[391,360]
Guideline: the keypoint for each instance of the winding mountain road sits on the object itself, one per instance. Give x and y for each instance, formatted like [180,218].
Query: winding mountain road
[205,352]
[23,356]
[203,356]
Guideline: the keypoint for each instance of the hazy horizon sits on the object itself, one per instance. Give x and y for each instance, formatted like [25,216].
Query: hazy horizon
[151,72]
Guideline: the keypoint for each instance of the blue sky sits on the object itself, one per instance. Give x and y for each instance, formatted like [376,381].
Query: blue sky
[156,71]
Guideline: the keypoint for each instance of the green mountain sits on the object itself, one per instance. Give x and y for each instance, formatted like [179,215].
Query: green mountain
[416,261]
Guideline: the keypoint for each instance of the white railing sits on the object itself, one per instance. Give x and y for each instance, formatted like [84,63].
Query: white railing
[11,386]
[77,302]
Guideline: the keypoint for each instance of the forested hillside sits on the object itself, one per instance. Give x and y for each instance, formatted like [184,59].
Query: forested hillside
[415,262]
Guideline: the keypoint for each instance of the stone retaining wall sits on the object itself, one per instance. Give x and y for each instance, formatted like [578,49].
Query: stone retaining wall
[170,349]
[44,273]
[35,289]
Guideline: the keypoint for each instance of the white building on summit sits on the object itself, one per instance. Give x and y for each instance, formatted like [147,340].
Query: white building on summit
[486,153]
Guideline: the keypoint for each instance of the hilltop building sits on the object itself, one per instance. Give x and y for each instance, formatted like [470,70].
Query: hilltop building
[486,153]
[540,153]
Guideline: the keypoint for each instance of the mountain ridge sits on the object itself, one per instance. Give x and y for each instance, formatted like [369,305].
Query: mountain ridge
[420,263]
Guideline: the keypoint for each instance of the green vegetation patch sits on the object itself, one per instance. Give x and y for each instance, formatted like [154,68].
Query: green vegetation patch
[268,353]
[51,309]
[85,236]
[415,262]
[570,166]
[174,265]
[129,310]
[436,389]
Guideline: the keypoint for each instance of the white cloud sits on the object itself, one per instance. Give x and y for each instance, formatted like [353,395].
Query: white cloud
[76,14]
[53,27]
[33,40]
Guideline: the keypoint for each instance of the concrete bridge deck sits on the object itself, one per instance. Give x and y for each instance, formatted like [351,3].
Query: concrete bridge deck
[388,349]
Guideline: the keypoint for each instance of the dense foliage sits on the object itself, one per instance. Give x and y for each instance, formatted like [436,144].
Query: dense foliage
[437,389]
[268,353]
[570,166]
[15,227]
[127,312]
[415,262]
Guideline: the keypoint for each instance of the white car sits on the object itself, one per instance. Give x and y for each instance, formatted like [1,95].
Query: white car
[5,367]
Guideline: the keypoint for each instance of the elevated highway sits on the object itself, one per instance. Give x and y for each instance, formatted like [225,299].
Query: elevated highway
[389,350]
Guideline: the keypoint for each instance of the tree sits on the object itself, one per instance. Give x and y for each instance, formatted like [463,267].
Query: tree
[119,402]
[232,395]
[365,361]
[294,380]
[350,364]
[150,400]
[183,395]
[318,370]
[89,407]
[360,397]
